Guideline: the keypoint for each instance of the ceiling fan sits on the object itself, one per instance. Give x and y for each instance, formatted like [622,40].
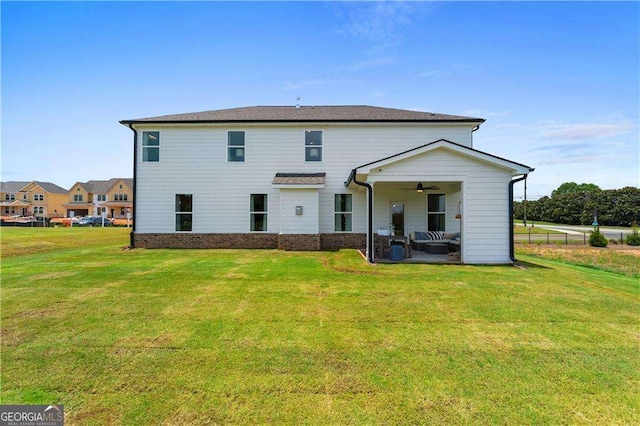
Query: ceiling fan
[420,188]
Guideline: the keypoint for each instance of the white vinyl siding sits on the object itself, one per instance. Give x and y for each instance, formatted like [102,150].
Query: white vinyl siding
[307,222]
[194,160]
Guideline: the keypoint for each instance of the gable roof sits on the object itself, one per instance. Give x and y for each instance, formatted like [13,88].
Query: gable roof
[441,143]
[12,186]
[51,188]
[103,186]
[15,186]
[324,113]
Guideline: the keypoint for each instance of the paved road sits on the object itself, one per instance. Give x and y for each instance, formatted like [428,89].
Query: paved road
[579,230]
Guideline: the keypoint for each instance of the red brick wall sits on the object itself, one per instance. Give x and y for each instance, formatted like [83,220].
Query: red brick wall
[302,242]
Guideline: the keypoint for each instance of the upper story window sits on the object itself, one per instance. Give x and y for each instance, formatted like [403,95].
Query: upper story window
[184,212]
[120,197]
[343,212]
[235,146]
[436,212]
[38,197]
[150,147]
[313,145]
[77,197]
[9,197]
[258,212]
[102,197]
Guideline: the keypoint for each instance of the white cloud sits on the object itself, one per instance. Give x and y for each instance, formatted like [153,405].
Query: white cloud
[432,73]
[377,22]
[370,63]
[572,132]
[482,113]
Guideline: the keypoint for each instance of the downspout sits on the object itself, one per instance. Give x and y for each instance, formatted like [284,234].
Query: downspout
[370,247]
[135,173]
[512,254]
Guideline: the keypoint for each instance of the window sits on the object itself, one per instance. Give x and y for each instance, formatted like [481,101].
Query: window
[258,212]
[102,197]
[150,147]
[9,197]
[235,147]
[38,197]
[313,145]
[120,197]
[343,208]
[77,198]
[38,210]
[436,212]
[184,212]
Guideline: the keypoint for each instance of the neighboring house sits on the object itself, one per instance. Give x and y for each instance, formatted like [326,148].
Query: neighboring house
[92,198]
[39,199]
[313,178]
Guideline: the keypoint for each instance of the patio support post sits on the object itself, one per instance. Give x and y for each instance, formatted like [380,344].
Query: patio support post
[512,254]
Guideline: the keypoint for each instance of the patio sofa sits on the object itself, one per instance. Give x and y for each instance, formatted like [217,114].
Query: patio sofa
[420,240]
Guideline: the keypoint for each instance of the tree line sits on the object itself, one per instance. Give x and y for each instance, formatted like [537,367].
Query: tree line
[575,204]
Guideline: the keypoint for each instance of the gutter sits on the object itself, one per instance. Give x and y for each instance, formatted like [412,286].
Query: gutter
[370,247]
[512,253]
[135,179]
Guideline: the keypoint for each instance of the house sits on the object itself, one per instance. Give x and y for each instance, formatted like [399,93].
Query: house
[35,198]
[92,198]
[318,177]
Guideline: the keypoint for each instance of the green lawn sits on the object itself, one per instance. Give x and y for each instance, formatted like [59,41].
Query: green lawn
[260,336]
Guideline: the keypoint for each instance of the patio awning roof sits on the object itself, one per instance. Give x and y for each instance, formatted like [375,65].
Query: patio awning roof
[364,170]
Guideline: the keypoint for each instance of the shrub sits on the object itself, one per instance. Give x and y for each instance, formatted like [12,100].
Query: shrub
[597,239]
[633,239]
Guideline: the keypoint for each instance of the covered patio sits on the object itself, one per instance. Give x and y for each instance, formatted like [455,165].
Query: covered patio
[453,199]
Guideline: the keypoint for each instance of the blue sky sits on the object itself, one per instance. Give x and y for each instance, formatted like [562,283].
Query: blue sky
[557,82]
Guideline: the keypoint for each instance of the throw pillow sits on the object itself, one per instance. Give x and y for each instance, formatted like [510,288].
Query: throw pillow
[435,235]
[420,235]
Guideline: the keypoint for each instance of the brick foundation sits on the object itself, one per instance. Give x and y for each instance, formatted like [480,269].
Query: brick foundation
[302,242]
[342,240]
[223,241]
[299,242]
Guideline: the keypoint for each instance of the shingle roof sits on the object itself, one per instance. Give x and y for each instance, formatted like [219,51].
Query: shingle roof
[12,186]
[103,186]
[52,187]
[15,186]
[299,179]
[325,113]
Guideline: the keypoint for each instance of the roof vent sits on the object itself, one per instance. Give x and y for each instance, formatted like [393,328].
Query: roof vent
[298,104]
